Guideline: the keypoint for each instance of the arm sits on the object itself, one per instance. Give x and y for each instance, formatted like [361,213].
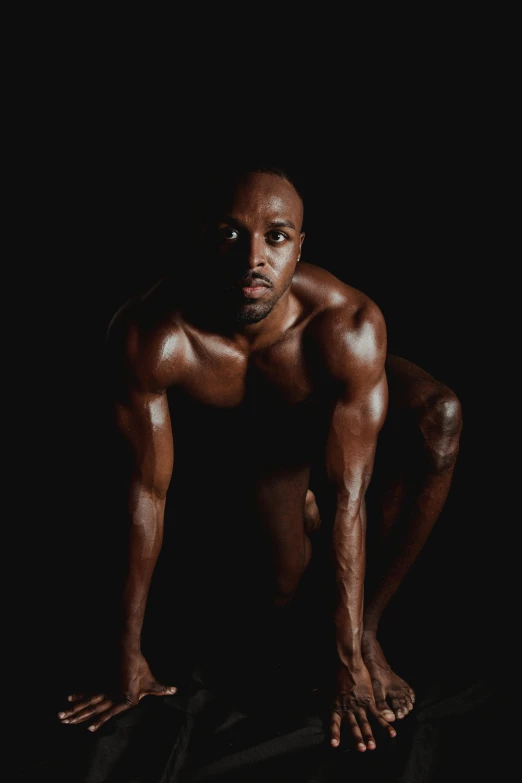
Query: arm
[143,421]
[356,357]
[144,461]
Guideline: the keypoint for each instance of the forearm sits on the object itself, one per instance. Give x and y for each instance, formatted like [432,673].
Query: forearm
[402,549]
[146,514]
[349,558]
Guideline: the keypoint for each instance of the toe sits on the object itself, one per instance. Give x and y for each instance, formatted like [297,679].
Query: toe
[398,707]
[385,710]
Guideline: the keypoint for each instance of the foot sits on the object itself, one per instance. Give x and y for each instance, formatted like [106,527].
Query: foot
[393,696]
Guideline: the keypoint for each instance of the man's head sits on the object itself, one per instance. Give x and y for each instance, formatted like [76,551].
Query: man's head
[252,237]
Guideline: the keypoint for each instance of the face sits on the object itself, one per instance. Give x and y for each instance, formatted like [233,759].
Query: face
[253,245]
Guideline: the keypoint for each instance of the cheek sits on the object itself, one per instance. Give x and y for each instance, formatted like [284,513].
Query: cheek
[284,261]
[284,279]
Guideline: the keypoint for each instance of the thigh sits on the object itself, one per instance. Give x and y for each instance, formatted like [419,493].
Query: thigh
[400,447]
[411,393]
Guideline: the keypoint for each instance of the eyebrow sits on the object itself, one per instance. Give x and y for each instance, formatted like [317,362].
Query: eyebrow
[278,223]
[273,224]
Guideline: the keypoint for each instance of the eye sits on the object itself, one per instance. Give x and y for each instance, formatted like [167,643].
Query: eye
[277,237]
[228,234]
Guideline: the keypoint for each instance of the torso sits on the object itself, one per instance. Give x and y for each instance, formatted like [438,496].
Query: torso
[262,404]
[245,420]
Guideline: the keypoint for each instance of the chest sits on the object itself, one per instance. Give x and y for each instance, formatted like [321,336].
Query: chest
[230,411]
[277,377]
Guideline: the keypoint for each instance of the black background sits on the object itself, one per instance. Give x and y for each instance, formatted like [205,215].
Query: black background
[404,203]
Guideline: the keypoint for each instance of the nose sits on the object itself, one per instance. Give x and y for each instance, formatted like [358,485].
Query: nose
[256,252]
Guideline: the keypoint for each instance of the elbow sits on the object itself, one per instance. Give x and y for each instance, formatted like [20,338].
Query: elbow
[349,494]
[345,496]
[155,489]
[147,503]
[159,493]
[344,500]
[348,505]
[441,426]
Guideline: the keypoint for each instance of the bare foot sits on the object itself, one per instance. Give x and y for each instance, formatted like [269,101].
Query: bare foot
[393,696]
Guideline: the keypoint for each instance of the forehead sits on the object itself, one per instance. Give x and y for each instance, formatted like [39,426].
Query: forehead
[260,196]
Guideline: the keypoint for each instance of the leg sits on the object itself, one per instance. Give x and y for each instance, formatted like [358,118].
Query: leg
[287,513]
[414,470]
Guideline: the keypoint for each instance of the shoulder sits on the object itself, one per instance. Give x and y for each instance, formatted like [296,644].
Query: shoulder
[348,326]
[145,340]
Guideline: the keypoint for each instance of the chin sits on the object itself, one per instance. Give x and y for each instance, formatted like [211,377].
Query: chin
[252,314]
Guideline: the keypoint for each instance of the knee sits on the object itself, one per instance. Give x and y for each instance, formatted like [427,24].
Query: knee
[287,583]
[441,425]
[284,591]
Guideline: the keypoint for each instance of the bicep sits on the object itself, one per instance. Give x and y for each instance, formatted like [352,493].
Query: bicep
[136,387]
[355,359]
[357,417]
[143,421]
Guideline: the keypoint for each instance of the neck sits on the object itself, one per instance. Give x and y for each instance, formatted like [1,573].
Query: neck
[273,325]
[255,335]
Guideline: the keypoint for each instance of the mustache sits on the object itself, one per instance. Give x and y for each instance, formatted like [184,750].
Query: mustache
[247,282]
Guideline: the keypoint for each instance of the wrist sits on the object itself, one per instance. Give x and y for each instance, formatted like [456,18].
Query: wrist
[130,642]
[350,657]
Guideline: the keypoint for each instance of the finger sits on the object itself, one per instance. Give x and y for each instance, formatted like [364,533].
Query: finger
[366,729]
[376,712]
[335,730]
[159,690]
[385,710]
[351,720]
[96,709]
[65,714]
[104,717]
[76,696]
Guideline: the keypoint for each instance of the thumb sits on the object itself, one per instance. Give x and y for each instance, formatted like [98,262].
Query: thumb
[157,689]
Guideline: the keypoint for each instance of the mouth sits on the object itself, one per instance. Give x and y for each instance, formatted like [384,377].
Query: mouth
[254,290]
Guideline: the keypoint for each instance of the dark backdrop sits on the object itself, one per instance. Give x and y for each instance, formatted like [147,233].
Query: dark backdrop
[409,217]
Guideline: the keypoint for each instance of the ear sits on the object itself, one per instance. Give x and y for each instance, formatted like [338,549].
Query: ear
[301,240]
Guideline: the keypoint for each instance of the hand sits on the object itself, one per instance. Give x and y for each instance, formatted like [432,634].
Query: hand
[136,681]
[353,705]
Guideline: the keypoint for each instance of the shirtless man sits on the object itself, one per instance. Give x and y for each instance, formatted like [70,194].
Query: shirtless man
[250,370]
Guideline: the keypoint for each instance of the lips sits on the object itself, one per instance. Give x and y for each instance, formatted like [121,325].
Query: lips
[253,284]
[254,292]
[253,289]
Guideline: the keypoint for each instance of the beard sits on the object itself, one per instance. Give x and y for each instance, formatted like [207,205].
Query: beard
[252,312]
